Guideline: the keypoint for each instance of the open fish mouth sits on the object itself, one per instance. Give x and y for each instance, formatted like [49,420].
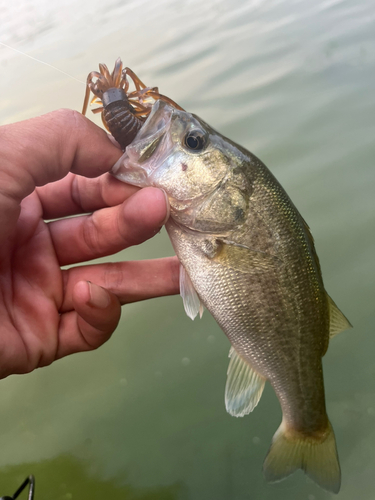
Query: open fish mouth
[137,164]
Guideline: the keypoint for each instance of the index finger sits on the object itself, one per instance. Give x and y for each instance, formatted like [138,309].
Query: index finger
[77,195]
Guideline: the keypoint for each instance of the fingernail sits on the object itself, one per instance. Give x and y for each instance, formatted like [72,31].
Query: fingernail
[113,140]
[99,297]
[168,207]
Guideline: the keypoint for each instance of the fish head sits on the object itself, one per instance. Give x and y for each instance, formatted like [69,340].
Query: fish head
[178,152]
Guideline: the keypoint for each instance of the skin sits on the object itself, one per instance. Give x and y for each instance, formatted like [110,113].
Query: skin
[52,167]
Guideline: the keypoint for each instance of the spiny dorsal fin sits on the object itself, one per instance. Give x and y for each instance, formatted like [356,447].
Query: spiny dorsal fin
[244,386]
[192,303]
[337,321]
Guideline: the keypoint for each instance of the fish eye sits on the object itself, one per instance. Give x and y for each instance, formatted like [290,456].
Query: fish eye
[195,140]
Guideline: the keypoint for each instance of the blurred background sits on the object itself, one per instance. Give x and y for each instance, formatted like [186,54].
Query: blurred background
[143,417]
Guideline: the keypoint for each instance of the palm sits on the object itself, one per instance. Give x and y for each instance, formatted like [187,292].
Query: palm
[47,312]
[32,293]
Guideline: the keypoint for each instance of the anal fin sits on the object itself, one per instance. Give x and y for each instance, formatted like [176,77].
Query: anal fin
[337,321]
[244,386]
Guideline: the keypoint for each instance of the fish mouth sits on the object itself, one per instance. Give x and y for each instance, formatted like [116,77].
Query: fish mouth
[136,165]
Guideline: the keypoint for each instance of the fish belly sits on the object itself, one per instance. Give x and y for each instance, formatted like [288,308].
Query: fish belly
[262,320]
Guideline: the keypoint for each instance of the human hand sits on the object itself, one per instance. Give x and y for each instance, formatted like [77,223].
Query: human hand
[51,167]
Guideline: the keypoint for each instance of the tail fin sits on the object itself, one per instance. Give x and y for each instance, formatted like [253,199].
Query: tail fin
[317,458]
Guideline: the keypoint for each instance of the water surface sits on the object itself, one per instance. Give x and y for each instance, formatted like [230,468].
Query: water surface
[144,416]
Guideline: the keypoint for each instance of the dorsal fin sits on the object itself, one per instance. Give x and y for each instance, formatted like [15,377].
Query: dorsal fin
[244,386]
[192,302]
[337,321]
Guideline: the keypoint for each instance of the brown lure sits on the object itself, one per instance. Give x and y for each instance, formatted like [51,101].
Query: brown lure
[123,112]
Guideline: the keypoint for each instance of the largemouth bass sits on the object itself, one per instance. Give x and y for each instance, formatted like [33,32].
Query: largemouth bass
[248,256]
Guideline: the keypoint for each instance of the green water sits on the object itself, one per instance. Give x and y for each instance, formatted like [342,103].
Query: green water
[144,417]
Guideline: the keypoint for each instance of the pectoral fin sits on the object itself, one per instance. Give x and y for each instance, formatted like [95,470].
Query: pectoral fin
[244,386]
[338,322]
[242,258]
[192,303]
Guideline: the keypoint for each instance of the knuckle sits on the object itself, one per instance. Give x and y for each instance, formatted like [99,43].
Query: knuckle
[75,191]
[81,192]
[90,235]
[86,342]
[71,116]
[67,122]
[129,237]
[114,276]
[94,334]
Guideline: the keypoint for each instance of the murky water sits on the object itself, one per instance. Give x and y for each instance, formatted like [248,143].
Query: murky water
[144,417]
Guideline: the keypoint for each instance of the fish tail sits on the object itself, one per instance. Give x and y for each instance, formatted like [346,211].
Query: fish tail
[317,457]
